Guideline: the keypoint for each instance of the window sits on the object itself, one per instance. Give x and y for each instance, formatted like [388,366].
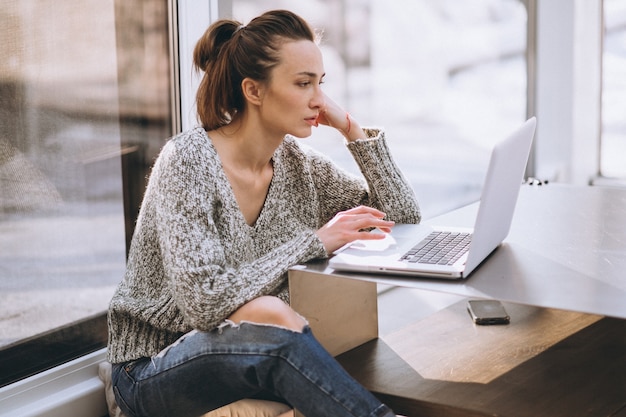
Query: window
[85,106]
[613,141]
[445,79]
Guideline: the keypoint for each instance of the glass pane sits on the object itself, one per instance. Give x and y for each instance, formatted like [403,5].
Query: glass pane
[446,79]
[84,92]
[613,144]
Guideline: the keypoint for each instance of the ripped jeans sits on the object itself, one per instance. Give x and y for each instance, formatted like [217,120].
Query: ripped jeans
[203,371]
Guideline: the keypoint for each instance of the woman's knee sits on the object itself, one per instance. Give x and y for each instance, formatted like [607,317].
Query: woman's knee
[269,310]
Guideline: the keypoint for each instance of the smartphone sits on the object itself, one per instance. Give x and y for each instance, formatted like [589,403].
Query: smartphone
[487,312]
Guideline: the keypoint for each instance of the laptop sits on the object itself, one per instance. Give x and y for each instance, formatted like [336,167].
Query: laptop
[407,250]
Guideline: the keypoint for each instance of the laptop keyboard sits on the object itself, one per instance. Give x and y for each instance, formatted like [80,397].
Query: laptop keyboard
[441,248]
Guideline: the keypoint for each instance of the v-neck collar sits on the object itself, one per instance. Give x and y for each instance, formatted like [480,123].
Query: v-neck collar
[272,191]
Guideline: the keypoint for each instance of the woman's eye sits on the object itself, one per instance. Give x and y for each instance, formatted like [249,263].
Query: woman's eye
[304,84]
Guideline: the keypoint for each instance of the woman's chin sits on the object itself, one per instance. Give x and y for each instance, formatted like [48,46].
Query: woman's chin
[302,134]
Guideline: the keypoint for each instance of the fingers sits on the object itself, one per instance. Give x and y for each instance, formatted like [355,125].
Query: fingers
[331,114]
[364,210]
[353,224]
[361,217]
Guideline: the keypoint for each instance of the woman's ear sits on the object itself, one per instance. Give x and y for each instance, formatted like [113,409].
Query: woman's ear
[252,91]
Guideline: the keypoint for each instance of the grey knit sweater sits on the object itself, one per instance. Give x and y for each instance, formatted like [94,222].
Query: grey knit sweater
[194,260]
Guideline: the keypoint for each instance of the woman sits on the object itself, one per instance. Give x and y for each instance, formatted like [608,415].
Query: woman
[201,318]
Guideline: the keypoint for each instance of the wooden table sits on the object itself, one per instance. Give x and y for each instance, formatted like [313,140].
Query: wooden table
[545,363]
[560,356]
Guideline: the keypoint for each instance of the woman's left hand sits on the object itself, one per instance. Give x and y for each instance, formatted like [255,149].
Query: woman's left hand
[334,116]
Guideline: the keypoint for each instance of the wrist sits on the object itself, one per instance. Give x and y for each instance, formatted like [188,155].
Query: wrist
[352,130]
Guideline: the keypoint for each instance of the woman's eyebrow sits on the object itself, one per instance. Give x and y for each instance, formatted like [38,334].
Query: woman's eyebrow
[310,74]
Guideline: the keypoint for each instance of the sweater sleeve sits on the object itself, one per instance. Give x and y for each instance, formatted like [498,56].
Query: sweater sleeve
[383,185]
[206,282]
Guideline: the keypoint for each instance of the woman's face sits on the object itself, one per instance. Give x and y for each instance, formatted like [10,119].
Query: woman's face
[292,98]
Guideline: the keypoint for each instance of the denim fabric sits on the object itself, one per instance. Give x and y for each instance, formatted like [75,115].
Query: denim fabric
[206,370]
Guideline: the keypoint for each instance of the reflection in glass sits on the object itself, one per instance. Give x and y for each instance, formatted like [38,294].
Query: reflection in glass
[83,92]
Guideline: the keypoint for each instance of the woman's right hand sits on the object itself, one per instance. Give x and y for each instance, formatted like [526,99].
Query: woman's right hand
[350,225]
[334,116]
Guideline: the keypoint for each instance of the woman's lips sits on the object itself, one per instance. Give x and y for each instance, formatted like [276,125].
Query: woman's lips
[312,121]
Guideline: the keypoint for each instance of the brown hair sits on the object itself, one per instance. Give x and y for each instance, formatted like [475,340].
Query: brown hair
[228,52]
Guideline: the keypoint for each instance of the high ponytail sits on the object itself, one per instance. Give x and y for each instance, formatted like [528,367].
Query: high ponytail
[228,52]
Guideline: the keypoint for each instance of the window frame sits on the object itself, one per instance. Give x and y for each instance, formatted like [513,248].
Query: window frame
[567,89]
[45,351]
[191,21]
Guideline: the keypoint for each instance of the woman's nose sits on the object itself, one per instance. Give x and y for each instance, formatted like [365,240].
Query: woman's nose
[318,100]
